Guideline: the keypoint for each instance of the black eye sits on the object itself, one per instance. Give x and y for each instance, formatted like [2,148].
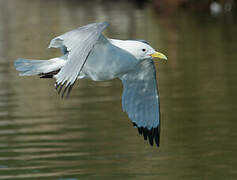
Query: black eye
[143,50]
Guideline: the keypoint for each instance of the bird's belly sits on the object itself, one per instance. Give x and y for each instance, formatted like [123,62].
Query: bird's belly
[99,71]
[106,62]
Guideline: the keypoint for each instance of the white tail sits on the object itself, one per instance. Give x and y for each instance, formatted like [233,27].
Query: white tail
[29,67]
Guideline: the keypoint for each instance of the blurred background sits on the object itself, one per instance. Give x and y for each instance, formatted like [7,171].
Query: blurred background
[88,136]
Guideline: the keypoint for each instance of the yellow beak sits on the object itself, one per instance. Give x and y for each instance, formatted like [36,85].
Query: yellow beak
[159,55]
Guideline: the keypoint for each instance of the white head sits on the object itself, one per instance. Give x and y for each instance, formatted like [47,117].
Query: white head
[141,50]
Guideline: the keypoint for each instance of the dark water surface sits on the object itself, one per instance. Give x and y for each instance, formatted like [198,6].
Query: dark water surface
[88,136]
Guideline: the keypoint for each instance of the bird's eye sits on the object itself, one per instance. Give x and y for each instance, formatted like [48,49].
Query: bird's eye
[143,50]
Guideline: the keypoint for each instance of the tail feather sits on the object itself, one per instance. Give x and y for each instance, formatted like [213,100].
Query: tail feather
[28,67]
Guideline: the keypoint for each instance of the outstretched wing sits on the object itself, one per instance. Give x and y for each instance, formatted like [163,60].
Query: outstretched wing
[77,43]
[141,101]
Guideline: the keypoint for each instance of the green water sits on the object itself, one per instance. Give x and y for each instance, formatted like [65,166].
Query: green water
[88,136]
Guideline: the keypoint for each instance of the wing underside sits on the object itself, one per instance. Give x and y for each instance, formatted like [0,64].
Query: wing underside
[141,101]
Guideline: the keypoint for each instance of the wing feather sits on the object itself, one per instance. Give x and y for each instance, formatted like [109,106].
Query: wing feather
[78,44]
[141,101]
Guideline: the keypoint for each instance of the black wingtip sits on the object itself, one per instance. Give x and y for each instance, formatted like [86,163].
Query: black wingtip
[60,89]
[152,134]
[69,90]
[64,89]
[145,133]
[140,130]
[157,136]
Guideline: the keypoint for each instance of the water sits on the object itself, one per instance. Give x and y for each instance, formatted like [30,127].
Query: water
[88,136]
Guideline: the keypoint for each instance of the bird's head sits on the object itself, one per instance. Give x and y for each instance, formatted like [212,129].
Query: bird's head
[142,50]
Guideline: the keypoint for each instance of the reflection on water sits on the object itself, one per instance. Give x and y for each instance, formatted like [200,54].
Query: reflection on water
[88,136]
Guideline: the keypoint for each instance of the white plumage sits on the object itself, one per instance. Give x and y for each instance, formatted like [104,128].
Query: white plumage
[88,54]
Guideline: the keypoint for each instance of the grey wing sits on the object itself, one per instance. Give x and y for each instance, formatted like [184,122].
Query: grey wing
[141,101]
[77,43]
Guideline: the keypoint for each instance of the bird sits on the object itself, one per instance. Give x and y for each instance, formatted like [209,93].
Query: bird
[87,53]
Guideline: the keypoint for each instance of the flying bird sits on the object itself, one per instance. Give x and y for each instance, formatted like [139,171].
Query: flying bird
[87,53]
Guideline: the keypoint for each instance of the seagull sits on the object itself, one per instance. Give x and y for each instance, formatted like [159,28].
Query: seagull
[87,53]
